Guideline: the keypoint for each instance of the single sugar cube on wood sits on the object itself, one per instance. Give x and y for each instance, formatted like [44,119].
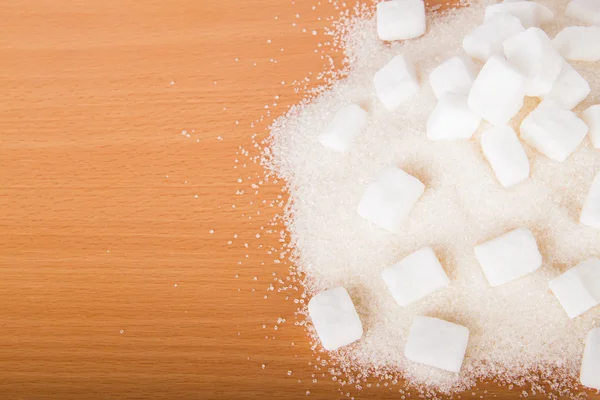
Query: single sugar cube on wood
[389,199]
[396,82]
[437,343]
[587,11]
[553,131]
[347,123]
[509,256]
[455,75]
[579,43]
[591,117]
[590,364]
[529,13]
[570,88]
[400,19]
[486,40]
[415,277]
[498,92]
[335,318]
[578,289]
[504,151]
[590,214]
[531,53]
[452,119]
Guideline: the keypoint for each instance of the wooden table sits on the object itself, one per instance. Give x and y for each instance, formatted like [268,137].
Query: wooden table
[117,152]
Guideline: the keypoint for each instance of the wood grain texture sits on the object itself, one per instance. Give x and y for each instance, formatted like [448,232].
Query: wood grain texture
[111,285]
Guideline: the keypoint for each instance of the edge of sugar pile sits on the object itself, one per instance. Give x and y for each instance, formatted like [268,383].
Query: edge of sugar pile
[519,333]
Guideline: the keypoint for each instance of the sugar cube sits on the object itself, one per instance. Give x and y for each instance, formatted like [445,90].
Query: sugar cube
[569,89]
[400,19]
[591,117]
[531,53]
[578,289]
[587,11]
[396,82]
[529,13]
[389,199]
[504,151]
[455,75]
[590,214]
[415,277]
[498,92]
[553,131]
[509,256]
[437,343]
[335,318]
[452,119]
[579,43]
[486,40]
[590,364]
[347,123]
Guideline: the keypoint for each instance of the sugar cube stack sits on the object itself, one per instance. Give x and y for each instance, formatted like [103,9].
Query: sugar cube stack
[452,119]
[587,11]
[590,214]
[569,89]
[578,289]
[591,117]
[335,319]
[504,151]
[590,364]
[400,19]
[486,40]
[347,123]
[579,43]
[396,82]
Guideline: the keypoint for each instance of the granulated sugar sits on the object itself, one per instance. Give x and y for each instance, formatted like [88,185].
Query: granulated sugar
[518,331]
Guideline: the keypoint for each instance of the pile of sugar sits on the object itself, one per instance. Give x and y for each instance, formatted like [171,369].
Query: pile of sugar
[518,332]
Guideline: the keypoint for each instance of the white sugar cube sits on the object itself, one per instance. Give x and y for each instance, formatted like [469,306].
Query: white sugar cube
[590,214]
[347,123]
[591,117]
[509,256]
[498,92]
[553,131]
[437,343]
[578,289]
[396,82]
[389,199]
[334,318]
[455,75]
[590,364]
[569,89]
[452,119]
[486,40]
[400,19]
[529,13]
[504,151]
[579,43]
[587,11]
[415,277]
[531,53]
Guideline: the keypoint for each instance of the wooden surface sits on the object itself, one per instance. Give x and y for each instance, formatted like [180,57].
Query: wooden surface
[111,284]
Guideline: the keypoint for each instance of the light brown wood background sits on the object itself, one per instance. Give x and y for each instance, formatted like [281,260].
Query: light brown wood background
[111,284]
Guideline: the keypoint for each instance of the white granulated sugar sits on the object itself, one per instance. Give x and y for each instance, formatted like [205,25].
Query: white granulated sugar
[517,331]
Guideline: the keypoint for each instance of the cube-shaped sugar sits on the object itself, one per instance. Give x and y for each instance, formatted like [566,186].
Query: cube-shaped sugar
[529,13]
[396,82]
[452,119]
[590,214]
[437,343]
[579,43]
[335,319]
[578,289]
[553,131]
[346,124]
[455,75]
[498,92]
[486,40]
[590,364]
[591,117]
[509,256]
[415,277]
[504,151]
[570,88]
[389,199]
[587,11]
[532,54]
[400,19]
